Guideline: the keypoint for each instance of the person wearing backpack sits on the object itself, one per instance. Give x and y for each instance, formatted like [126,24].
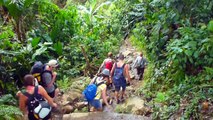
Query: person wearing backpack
[140,64]
[96,91]
[28,100]
[49,78]
[119,72]
[107,64]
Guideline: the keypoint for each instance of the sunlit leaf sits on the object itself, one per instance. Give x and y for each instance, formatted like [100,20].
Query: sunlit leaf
[39,51]
[58,48]
[210,26]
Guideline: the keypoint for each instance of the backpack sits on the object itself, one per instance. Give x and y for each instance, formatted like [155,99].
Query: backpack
[109,64]
[37,71]
[36,105]
[118,74]
[91,90]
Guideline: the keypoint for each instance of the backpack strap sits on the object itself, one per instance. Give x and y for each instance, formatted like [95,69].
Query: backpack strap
[95,81]
[121,67]
[28,95]
[36,91]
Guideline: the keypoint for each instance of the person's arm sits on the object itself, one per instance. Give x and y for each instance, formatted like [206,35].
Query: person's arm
[93,80]
[104,96]
[112,71]
[102,65]
[127,72]
[46,96]
[22,102]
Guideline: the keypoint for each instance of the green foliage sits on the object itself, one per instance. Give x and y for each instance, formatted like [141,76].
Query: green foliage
[49,32]
[7,109]
[177,37]
[64,84]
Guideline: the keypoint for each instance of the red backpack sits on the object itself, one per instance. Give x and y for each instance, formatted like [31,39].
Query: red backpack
[108,64]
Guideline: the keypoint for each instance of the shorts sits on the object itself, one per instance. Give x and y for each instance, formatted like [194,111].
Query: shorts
[96,103]
[118,87]
[52,94]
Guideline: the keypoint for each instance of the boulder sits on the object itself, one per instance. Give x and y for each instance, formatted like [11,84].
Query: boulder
[81,105]
[127,52]
[68,109]
[133,105]
[71,96]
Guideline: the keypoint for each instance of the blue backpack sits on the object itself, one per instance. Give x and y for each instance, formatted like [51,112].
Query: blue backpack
[91,90]
[118,74]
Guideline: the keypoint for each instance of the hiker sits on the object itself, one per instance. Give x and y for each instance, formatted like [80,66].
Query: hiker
[107,64]
[49,78]
[119,72]
[101,93]
[38,92]
[139,65]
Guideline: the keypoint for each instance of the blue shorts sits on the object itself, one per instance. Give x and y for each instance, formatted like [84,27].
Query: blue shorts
[96,103]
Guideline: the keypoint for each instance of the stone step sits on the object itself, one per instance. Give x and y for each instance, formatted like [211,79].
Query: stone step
[103,116]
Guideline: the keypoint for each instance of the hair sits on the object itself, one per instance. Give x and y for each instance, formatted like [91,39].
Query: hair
[109,54]
[105,76]
[121,56]
[28,80]
[141,54]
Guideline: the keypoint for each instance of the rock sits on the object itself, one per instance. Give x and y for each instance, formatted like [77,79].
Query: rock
[130,89]
[132,76]
[68,109]
[71,96]
[81,105]
[126,53]
[132,105]
[103,116]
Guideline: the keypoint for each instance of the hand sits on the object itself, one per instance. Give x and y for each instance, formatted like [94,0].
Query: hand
[55,73]
[54,105]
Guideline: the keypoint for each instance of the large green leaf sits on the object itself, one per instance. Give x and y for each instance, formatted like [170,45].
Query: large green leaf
[210,26]
[35,42]
[58,48]
[39,51]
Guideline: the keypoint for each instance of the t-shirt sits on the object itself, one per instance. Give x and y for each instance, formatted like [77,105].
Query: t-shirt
[140,62]
[47,78]
[100,87]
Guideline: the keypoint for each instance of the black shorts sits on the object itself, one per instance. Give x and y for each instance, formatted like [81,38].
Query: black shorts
[52,94]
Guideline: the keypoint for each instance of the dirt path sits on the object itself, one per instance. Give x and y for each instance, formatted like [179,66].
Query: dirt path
[129,52]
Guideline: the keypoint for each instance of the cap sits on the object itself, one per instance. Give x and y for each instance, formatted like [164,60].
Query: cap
[105,72]
[53,63]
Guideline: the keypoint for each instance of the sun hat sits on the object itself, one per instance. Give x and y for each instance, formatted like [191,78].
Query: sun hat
[53,63]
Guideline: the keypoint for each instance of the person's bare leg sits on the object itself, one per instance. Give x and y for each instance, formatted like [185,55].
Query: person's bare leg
[122,95]
[116,96]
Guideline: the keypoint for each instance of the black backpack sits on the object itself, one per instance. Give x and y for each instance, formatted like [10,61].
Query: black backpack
[36,101]
[37,70]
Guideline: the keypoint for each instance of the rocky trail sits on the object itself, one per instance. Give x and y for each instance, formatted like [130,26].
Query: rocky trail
[72,106]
